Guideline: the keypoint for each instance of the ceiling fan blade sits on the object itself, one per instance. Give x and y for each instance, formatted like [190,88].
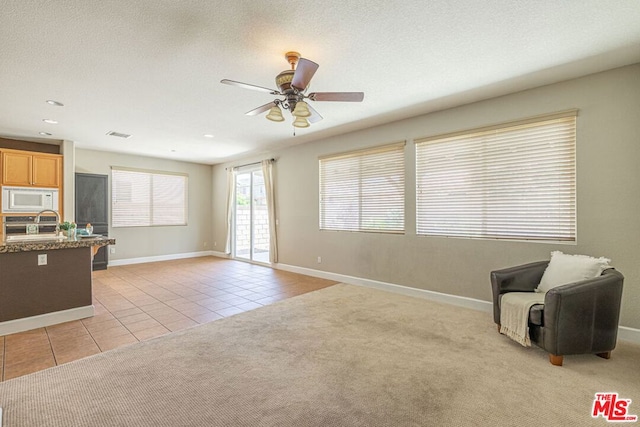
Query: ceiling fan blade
[315,116]
[337,96]
[260,109]
[304,72]
[248,86]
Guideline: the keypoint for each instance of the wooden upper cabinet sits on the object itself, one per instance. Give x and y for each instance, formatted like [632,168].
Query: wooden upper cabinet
[47,170]
[17,168]
[26,169]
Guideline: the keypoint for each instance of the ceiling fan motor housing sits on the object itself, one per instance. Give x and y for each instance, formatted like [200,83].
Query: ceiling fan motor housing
[283,80]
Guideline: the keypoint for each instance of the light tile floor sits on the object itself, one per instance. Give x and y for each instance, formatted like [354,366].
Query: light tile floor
[138,302]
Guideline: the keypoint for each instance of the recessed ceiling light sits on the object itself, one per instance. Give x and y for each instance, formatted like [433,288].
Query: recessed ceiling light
[208,135]
[50,121]
[44,133]
[56,103]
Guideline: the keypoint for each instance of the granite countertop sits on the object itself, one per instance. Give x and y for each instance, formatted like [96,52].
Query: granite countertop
[67,243]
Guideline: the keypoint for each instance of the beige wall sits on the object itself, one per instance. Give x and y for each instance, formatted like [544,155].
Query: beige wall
[608,159]
[139,242]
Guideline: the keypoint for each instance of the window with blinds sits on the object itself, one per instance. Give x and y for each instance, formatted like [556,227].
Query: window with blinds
[363,190]
[515,181]
[143,198]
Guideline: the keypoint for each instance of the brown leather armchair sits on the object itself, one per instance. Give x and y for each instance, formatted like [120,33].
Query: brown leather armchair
[576,318]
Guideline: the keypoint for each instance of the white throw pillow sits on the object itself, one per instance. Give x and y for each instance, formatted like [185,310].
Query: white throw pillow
[563,269]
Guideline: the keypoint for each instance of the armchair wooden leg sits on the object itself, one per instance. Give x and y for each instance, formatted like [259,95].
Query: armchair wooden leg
[498,328]
[605,355]
[555,360]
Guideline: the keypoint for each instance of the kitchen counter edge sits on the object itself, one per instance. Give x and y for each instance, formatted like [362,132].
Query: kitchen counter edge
[53,245]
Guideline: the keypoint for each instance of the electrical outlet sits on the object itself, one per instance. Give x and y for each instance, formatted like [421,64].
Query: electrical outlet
[112,250]
[319,260]
[215,243]
[42,259]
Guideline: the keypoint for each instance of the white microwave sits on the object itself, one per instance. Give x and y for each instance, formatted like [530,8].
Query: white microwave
[29,199]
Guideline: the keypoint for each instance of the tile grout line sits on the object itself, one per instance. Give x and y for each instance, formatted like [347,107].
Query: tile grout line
[90,334]
[4,357]
[163,302]
[138,307]
[136,287]
[118,320]
[53,353]
[130,284]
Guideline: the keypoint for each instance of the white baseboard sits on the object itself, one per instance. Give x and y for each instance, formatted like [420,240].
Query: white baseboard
[629,334]
[475,304]
[42,320]
[141,260]
[220,254]
[624,333]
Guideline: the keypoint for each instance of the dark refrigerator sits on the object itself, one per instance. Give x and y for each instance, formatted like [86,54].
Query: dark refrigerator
[92,206]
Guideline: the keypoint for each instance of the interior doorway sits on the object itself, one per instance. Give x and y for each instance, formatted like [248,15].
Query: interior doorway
[251,218]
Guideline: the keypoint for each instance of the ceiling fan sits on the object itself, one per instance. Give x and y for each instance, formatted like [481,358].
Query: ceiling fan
[293,84]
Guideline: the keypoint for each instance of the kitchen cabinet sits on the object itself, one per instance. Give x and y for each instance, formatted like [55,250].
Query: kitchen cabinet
[35,295]
[92,206]
[30,169]
[64,283]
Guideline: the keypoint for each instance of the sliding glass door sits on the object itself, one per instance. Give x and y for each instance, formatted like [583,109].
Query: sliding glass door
[251,219]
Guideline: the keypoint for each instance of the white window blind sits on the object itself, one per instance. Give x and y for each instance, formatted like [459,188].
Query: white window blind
[143,198]
[363,190]
[517,181]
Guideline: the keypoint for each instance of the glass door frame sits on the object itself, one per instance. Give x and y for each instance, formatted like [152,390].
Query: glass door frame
[250,171]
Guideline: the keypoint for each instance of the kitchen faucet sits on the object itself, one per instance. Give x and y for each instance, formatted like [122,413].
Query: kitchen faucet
[37,220]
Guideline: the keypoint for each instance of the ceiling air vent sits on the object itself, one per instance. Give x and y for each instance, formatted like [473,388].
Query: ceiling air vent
[119,134]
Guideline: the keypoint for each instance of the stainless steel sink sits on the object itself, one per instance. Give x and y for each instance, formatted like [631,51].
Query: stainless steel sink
[33,238]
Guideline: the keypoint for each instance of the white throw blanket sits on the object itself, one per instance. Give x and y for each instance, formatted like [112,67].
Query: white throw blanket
[514,314]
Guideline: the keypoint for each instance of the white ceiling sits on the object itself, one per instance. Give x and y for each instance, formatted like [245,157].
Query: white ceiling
[151,68]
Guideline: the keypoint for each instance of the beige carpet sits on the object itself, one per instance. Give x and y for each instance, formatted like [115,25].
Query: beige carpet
[341,356]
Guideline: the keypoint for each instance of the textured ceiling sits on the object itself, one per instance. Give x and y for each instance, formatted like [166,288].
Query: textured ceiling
[151,68]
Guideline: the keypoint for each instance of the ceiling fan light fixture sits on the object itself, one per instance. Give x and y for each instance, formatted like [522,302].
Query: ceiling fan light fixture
[275,114]
[301,122]
[301,110]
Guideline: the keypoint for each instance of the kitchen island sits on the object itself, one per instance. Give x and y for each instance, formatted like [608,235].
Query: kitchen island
[45,282]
